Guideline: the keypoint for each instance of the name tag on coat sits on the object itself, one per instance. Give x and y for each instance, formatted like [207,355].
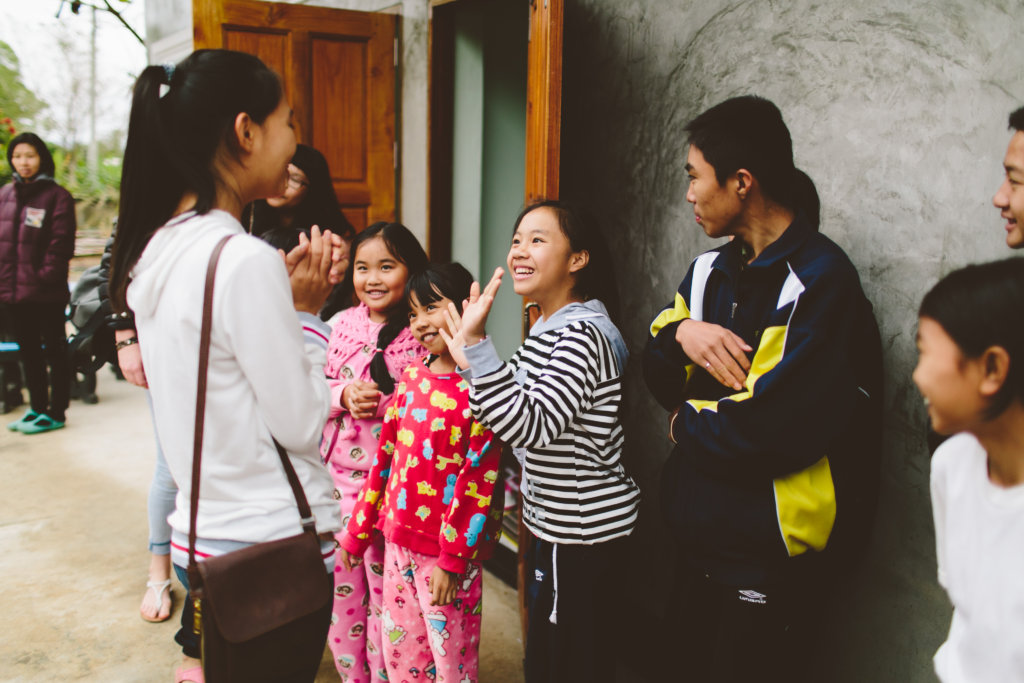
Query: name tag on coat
[34,217]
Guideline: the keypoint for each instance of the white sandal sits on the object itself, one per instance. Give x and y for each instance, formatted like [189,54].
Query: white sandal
[157,588]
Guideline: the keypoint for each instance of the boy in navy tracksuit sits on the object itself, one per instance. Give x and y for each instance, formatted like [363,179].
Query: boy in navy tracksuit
[770,359]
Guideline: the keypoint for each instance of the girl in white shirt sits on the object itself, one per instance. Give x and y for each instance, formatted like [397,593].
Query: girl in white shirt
[206,138]
[971,373]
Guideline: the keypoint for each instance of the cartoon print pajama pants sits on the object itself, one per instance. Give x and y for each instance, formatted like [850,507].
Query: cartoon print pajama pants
[354,636]
[423,642]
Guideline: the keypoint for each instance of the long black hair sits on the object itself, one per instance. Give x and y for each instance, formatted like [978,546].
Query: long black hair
[979,307]
[173,140]
[46,167]
[404,247]
[748,132]
[596,280]
[319,206]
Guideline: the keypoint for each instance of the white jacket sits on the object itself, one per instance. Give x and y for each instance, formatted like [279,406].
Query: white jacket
[265,377]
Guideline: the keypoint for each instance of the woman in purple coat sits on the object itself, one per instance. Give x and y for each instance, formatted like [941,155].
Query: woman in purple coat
[37,240]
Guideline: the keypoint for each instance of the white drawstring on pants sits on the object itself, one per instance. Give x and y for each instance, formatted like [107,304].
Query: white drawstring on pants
[554,578]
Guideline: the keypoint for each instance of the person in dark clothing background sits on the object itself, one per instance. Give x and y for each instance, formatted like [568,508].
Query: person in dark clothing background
[37,241]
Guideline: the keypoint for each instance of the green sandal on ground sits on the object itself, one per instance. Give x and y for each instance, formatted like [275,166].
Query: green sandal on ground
[42,423]
[29,417]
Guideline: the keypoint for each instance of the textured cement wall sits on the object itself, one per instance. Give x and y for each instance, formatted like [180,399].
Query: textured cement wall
[898,111]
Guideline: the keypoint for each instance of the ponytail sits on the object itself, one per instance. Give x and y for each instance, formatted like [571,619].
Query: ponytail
[173,140]
[804,197]
[149,190]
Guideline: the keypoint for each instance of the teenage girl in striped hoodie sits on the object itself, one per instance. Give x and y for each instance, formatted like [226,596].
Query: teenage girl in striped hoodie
[557,402]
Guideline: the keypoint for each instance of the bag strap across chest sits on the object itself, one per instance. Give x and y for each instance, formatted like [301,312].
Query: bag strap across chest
[307,519]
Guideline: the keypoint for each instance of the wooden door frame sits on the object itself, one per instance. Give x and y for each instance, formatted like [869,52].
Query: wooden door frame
[544,100]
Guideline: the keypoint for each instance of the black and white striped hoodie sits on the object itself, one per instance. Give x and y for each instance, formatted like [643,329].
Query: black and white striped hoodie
[556,402]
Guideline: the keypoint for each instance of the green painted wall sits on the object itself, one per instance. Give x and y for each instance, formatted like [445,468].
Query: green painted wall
[490,148]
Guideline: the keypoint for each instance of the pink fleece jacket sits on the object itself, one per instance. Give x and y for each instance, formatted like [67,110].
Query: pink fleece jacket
[348,442]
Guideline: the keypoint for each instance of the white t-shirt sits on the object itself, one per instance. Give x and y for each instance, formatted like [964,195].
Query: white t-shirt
[979,534]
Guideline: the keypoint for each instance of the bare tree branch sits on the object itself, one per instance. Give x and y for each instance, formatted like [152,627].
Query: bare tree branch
[122,20]
[107,7]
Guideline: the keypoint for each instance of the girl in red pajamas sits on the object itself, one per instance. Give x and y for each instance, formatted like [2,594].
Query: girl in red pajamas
[430,492]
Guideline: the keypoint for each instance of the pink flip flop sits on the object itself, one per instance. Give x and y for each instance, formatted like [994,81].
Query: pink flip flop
[195,674]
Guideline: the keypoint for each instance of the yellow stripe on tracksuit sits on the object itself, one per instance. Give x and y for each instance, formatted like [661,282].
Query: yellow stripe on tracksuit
[805,501]
[806,505]
[679,311]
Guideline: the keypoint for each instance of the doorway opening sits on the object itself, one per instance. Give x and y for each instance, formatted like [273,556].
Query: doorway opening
[478,143]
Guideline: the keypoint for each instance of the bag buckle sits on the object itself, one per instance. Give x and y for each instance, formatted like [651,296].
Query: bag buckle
[308,523]
[197,616]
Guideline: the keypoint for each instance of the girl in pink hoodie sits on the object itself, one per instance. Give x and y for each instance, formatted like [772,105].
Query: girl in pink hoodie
[369,348]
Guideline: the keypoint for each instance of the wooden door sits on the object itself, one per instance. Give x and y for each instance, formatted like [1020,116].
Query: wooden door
[338,69]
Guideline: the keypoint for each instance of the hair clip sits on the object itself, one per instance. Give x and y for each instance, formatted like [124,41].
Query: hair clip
[168,73]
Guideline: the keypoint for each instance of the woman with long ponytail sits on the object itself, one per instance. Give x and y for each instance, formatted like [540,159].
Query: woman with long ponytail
[205,138]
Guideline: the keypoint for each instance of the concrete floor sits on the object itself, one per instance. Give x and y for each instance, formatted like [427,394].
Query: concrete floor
[73,560]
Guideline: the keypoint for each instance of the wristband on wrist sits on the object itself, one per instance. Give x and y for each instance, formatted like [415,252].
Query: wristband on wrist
[124,343]
[121,321]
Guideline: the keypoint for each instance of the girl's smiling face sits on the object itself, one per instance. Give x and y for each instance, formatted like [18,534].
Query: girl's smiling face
[542,262]
[948,380]
[378,278]
[425,320]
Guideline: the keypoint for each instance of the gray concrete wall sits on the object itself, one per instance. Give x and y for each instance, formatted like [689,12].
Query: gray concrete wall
[898,111]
